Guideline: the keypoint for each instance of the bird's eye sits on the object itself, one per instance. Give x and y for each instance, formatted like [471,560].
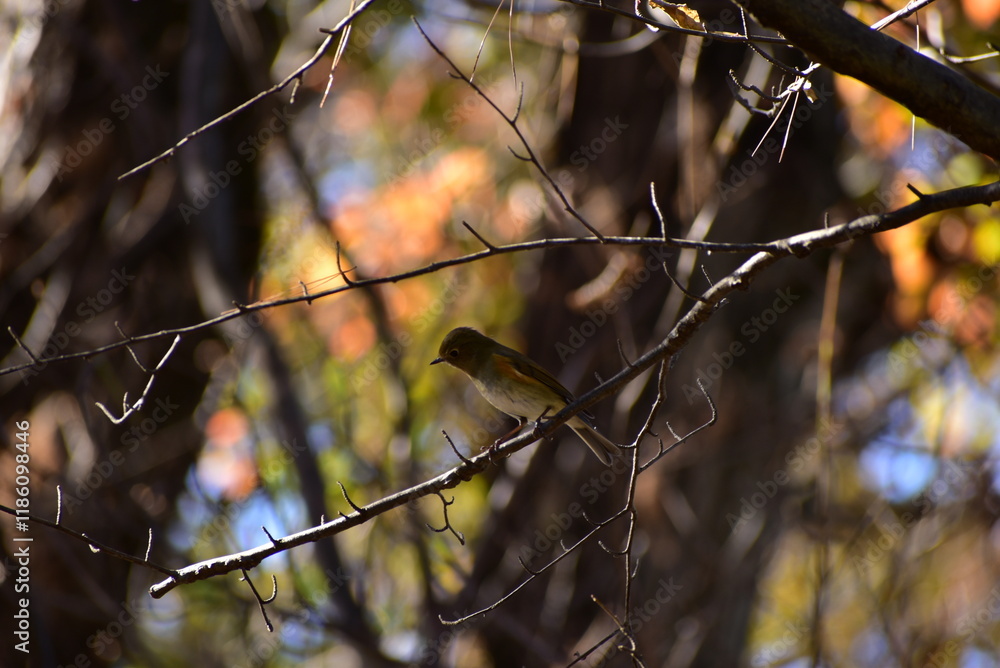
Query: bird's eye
[453,352]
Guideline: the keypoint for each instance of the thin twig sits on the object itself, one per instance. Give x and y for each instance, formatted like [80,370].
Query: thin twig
[353,505]
[96,547]
[281,85]
[128,409]
[454,448]
[512,123]
[477,235]
[261,602]
[911,7]
[345,35]
[447,521]
[22,346]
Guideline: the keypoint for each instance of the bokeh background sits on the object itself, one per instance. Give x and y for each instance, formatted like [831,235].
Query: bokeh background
[842,512]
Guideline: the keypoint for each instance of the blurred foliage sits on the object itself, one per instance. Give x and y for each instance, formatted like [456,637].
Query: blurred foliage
[401,153]
[868,535]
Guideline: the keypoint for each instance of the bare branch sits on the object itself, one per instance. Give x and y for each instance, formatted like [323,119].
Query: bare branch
[261,602]
[281,85]
[512,123]
[447,522]
[20,344]
[127,409]
[911,7]
[96,547]
[927,88]
[721,36]
[345,35]
[799,245]
[454,448]
[477,235]
[628,508]
[343,490]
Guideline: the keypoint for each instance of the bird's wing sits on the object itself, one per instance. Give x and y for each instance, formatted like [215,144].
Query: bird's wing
[518,365]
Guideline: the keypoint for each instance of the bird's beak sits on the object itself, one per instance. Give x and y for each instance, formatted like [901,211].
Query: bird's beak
[437,361]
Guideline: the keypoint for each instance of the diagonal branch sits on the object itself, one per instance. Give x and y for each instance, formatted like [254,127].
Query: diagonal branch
[252,557]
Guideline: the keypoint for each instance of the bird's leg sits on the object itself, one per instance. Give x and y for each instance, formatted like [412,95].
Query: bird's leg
[539,419]
[520,424]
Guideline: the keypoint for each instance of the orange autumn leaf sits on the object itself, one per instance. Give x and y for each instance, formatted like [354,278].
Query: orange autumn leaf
[981,13]
[912,271]
[880,124]
[227,427]
[226,463]
[401,224]
[353,337]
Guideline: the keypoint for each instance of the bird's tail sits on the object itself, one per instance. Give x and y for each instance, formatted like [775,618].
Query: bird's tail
[605,450]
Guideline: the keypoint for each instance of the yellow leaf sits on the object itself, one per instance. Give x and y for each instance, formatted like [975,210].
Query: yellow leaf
[986,240]
[682,15]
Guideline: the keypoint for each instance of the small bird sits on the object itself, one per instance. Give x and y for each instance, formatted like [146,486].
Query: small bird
[516,385]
